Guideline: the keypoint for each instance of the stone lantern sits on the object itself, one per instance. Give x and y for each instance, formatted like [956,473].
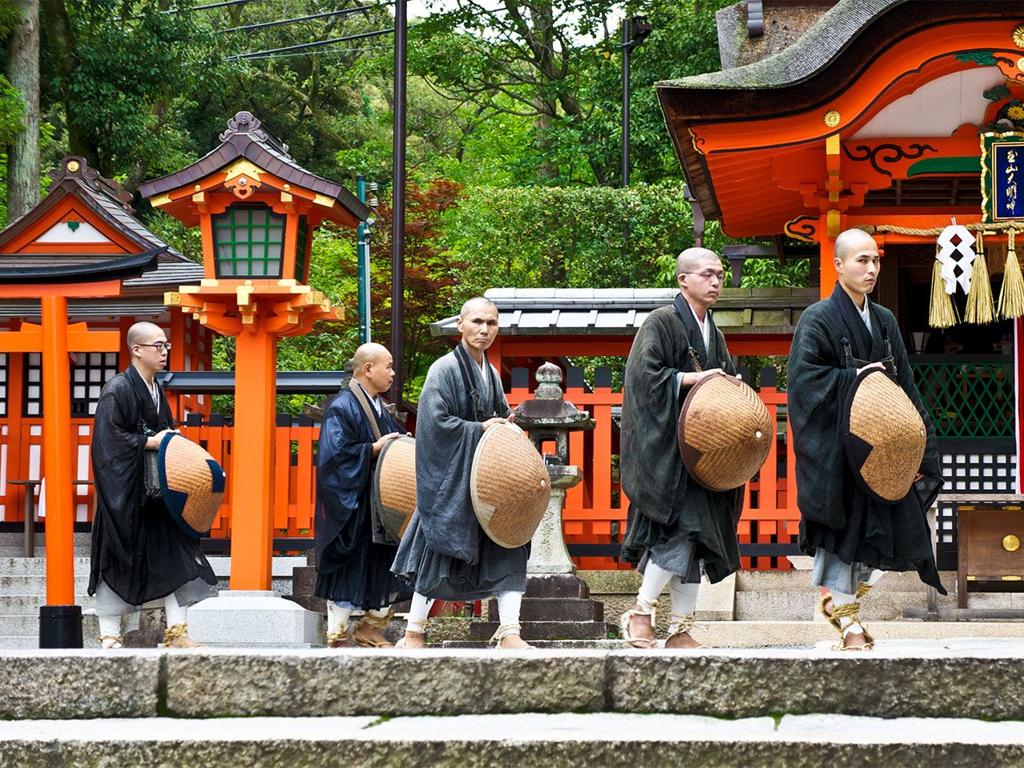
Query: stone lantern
[557,604]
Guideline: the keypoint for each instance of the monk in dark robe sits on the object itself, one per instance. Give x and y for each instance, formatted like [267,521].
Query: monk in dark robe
[353,572]
[675,524]
[852,536]
[139,553]
[445,554]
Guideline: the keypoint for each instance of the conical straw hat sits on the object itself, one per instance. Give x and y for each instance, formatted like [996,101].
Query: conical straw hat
[883,435]
[192,483]
[394,485]
[725,432]
[509,486]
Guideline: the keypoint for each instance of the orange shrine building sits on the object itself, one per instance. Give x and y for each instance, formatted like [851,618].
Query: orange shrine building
[825,115]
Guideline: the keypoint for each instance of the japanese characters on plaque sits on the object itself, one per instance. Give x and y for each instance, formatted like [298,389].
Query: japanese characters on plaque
[1002,176]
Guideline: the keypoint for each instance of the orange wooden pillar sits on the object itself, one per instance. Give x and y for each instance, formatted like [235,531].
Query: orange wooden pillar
[252,460]
[60,512]
[827,252]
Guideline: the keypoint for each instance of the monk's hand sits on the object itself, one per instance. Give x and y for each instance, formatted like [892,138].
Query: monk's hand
[692,377]
[493,422]
[153,443]
[869,367]
[378,446]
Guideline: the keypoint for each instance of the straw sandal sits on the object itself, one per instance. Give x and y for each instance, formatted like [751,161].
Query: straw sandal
[638,642]
[111,642]
[849,611]
[679,626]
[372,622]
[177,637]
[338,639]
[507,630]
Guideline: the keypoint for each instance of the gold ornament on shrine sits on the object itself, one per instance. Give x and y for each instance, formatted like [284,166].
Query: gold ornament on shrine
[832,118]
[1018,36]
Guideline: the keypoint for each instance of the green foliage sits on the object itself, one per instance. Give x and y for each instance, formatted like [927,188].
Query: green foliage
[599,237]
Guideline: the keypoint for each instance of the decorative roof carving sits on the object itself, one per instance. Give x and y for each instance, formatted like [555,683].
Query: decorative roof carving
[76,167]
[247,123]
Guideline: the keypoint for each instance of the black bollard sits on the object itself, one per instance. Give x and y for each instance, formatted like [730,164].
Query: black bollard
[60,626]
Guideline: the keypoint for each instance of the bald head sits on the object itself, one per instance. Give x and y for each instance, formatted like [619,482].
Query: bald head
[368,353]
[851,241]
[694,259]
[144,333]
[372,367]
[476,304]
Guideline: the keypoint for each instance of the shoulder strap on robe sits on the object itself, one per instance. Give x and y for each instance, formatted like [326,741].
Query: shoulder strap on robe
[679,305]
[366,405]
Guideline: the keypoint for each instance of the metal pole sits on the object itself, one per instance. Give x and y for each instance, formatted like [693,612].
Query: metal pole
[398,202]
[363,265]
[626,48]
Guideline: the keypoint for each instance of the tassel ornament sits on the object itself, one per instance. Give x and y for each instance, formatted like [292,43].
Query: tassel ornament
[1011,297]
[941,312]
[980,308]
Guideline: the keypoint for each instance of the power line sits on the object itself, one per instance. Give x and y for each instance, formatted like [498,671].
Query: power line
[302,46]
[331,52]
[324,15]
[210,7]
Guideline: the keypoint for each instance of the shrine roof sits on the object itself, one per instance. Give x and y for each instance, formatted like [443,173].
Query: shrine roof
[245,138]
[739,131]
[89,309]
[103,196]
[825,39]
[620,311]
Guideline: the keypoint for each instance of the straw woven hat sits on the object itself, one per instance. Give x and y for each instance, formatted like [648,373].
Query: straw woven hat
[192,483]
[883,435]
[725,432]
[509,486]
[394,485]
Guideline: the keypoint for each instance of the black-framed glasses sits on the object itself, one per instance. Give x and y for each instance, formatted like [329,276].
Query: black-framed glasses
[161,345]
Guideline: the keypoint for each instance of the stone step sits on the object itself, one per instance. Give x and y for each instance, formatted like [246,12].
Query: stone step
[798,581]
[34,566]
[16,605]
[562,585]
[36,585]
[544,630]
[555,740]
[785,605]
[553,609]
[965,679]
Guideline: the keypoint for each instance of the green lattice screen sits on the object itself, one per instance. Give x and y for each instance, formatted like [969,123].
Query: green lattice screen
[968,399]
[249,240]
[302,238]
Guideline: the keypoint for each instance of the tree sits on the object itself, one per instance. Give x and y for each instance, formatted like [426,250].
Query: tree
[21,21]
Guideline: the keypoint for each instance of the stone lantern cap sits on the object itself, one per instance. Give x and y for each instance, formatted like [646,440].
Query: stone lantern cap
[549,409]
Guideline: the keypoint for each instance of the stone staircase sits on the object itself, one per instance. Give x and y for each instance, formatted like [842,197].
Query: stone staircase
[907,704]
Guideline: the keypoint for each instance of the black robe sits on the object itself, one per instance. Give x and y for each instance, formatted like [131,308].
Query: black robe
[836,514]
[137,547]
[665,501]
[350,566]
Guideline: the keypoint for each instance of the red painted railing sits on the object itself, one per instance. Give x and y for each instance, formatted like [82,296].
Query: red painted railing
[595,510]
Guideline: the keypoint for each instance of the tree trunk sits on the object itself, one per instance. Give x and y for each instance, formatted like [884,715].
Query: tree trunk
[23,72]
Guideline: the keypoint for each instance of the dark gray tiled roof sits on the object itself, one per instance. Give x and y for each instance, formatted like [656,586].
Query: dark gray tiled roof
[245,137]
[89,309]
[825,40]
[620,311]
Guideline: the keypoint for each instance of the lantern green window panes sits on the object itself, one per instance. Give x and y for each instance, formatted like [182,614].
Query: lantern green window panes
[249,241]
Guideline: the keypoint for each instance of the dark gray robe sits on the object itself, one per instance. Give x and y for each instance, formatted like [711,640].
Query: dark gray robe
[836,514]
[445,554]
[666,504]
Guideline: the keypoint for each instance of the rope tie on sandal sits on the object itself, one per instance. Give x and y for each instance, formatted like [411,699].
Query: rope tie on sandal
[679,625]
[503,631]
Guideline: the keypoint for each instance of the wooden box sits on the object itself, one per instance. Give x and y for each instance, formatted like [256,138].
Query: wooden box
[989,548]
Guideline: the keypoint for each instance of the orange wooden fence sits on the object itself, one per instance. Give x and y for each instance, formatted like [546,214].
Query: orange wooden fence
[595,510]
